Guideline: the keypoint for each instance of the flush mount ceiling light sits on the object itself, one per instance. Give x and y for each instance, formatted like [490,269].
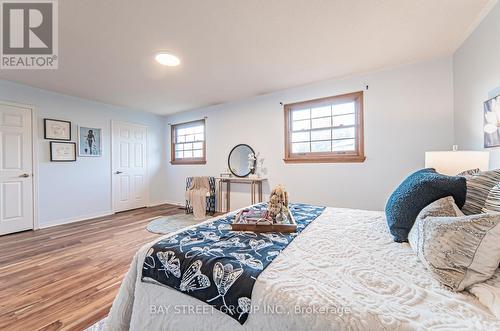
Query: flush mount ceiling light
[167,59]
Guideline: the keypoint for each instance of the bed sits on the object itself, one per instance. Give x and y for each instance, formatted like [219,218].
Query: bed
[343,272]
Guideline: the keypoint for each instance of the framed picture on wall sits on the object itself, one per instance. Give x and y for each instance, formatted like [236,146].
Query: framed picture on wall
[62,151]
[491,121]
[89,141]
[56,129]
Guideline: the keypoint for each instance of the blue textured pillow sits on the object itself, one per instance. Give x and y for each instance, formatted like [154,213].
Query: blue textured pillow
[416,192]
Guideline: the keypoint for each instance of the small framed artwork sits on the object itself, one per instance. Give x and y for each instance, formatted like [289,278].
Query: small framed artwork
[56,129]
[62,151]
[491,122]
[89,141]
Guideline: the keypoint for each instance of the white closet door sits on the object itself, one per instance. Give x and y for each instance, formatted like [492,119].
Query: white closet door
[129,166]
[16,180]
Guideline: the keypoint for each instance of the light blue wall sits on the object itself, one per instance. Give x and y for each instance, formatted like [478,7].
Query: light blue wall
[476,70]
[82,189]
[408,111]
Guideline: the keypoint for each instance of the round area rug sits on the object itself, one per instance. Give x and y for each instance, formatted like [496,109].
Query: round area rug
[172,223]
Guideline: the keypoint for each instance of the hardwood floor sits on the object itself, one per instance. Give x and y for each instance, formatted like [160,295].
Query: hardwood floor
[66,277]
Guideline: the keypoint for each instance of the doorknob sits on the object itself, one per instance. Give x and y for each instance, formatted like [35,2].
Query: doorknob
[118,172]
[24,175]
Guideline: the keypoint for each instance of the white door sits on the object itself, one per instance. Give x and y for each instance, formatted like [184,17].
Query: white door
[16,180]
[129,166]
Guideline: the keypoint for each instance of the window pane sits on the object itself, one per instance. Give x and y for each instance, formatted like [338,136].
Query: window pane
[324,122]
[321,146]
[198,129]
[321,135]
[189,141]
[343,145]
[300,136]
[344,120]
[300,148]
[300,114]
[344,108]
[301,125]
[321,111]
[325,130]
[344,133]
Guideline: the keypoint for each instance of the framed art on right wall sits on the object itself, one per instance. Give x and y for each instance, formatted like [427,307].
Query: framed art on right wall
[491,120]
[89,141]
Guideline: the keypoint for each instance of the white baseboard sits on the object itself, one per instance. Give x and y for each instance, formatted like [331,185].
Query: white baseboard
[73,219]
[177,203]
[156,203]
[96,215]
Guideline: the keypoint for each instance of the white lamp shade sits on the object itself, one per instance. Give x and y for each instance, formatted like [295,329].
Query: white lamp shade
[451,163]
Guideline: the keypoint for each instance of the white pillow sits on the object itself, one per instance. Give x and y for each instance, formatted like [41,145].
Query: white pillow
[458,250]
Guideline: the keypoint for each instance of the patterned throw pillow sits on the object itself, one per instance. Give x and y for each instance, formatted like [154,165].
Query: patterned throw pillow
[492,203]
[444,207]
[478,188]
[469,172]
[458,250]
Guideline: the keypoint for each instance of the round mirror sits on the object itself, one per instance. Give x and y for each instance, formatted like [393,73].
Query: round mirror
[238,161]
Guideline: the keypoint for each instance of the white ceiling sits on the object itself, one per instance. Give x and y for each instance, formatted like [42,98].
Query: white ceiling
[233,49]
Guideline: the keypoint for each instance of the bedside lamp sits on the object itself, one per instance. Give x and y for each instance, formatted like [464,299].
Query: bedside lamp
[453,162]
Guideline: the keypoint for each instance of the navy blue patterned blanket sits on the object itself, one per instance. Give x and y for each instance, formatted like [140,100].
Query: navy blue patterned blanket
[219,266]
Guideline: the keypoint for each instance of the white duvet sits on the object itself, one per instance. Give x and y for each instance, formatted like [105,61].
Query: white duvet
[343,272]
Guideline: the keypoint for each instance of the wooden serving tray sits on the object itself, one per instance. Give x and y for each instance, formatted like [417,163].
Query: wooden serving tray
[265,227]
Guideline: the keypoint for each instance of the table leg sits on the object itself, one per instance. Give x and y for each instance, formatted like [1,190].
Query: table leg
[252,189]
[260,191]
[228,196]
[219,195]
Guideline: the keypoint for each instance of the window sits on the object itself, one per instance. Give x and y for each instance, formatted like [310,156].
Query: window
[188,143]
[325,130]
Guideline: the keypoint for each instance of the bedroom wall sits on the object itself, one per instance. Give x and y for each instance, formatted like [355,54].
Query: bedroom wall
[70,191]
[476,68]
[408,110]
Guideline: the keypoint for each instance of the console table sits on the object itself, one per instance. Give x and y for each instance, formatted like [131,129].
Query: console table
[255,189]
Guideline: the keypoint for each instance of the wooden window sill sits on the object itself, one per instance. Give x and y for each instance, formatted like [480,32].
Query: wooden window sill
[338,159]
[188,162]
